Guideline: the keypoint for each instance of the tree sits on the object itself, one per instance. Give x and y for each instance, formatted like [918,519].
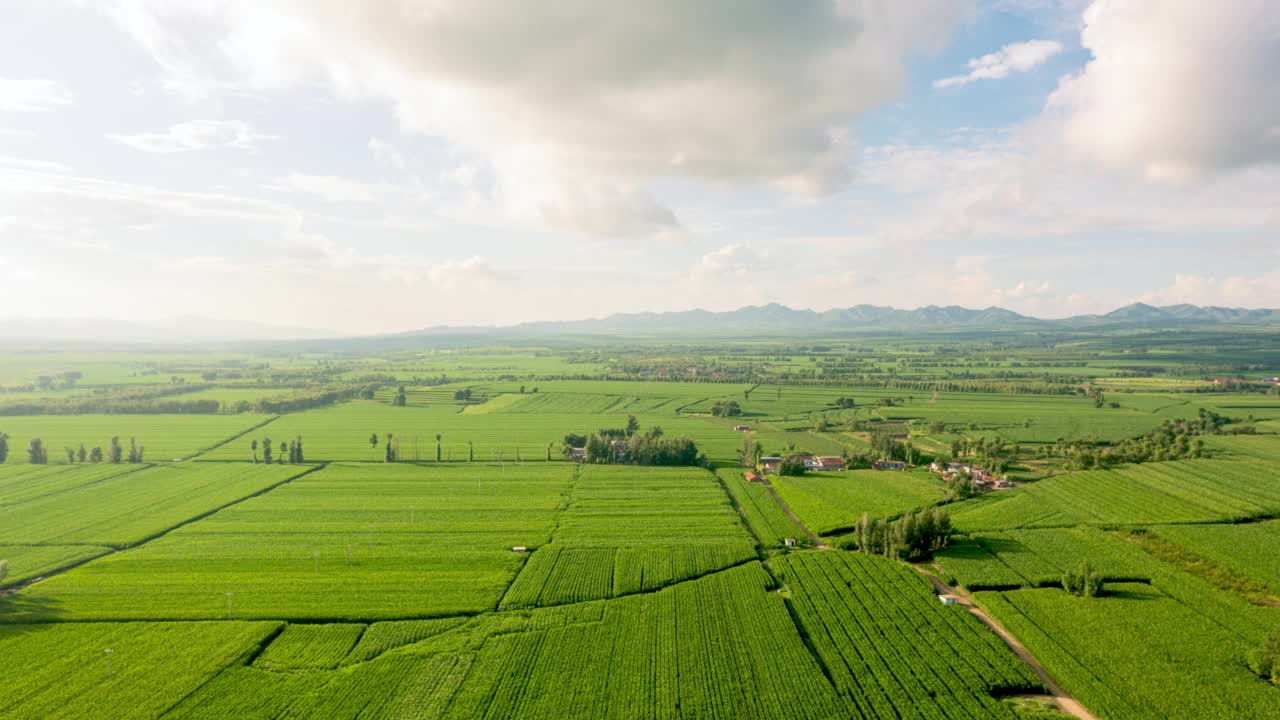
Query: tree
[438,438]
[253,447]
[115,453]
[726,408]
[373,441]
[81,454]
[1082,581]
[284,448]
[297,447]
[471,451]
[4,570]
[4,446]
[133,450]
[95,455]
[267,449]
[71,456]
[633,425]
[750,452]
[37,453]
[390,454]
[401,398]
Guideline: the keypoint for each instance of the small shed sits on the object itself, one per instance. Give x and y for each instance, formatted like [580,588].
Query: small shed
[519,548]
[752,476]
[742,428]
[948,599]
[789,542]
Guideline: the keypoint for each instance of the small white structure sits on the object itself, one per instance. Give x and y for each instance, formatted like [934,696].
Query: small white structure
[519,548]
[789,542]
[948,599]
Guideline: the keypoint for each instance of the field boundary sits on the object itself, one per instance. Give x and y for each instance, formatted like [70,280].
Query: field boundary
[231,439]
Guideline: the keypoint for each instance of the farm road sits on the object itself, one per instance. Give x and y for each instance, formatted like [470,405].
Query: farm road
[1065,702]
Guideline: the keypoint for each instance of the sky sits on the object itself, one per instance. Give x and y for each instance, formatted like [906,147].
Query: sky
[396,164]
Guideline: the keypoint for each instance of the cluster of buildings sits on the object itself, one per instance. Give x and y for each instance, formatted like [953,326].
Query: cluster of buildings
[819,463]
[980,476]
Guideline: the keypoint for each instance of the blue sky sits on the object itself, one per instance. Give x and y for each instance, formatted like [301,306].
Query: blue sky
[403,163]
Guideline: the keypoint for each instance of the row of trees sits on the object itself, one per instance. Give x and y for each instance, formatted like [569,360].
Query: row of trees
[38,452]
[1083,581]
[290,452]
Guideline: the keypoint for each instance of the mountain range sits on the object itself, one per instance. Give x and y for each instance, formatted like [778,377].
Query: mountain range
[755,320]
[780,319]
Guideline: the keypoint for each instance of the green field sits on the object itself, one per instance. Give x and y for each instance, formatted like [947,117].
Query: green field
[496,579]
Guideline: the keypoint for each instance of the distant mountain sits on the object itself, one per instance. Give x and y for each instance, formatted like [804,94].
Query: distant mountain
[778,319]
[170,331]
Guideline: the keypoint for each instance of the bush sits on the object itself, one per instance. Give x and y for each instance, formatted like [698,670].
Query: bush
[1082,581]
[1265,661]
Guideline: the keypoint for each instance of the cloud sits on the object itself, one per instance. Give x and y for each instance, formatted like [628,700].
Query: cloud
[467,273]
[386,154]
[1257,291]
[1175,93]
[33,95]
[196,135]
[607,97]
[733,261]
[1013,58]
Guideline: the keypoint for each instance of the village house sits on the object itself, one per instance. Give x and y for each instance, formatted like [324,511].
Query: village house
[752,476]
[771,464]
[891,465]
[742,428]
[829,463]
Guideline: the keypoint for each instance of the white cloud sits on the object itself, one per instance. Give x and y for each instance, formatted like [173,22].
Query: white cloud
[1262,290]
[33,95]
[196,135]
[606,96]
[386,154]
[469,273]
[1013,58]
[733,261]
[1176,90]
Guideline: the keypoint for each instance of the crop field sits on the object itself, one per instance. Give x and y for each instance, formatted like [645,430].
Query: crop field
[1039,557]
[1251,549]
[61,670]
[347,542]
[165,437]
[831,501]
[1109,652]
[890,648]
[341,433]
[766,518]
[629,530]
[124,508]
[1158,493]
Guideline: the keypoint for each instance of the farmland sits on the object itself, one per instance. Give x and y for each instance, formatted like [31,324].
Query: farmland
[493,578]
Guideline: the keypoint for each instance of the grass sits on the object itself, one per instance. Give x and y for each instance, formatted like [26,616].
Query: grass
[828,502]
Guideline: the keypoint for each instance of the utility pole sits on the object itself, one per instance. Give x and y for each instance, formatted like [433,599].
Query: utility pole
[229,604]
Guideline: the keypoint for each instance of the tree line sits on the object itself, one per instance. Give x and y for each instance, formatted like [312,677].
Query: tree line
[290,452]
[38,452]
[628,446]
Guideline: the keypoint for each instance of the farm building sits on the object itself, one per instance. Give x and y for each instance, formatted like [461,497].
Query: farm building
[742,428]
[891,465]
[948,599]
[829,463]
[770,464]
[810,462]
[752,476]
[577,454]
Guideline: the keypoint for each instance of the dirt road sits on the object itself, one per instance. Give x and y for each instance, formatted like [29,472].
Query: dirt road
[1064,701]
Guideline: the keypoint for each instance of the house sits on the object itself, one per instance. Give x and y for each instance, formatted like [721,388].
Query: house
[829,463]
[810,462]
[770,464]
[789,542]
[891,465]
[742,428]
[1003,484]
[577,454]
[948,599]
[752,476]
